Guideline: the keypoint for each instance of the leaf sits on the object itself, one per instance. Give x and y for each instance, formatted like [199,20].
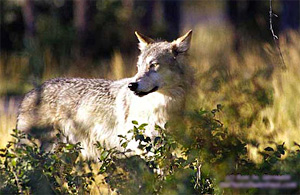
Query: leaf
[202,112]
[135,122]
[104,155]
[269,149]
[98,145]
[158,128]
[280,148]
[124,145]
[90,174]
[147,139]
[122,136]
[70,146]
[14,162]
[148,148]
[102,169]
[141,146]
[142,126]
[214,111]
[174,146]
[135,130]
[295,143]
[139,137]
[10,155]
[157,140]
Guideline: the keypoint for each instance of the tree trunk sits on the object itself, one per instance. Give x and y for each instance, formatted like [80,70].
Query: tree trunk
[28,14]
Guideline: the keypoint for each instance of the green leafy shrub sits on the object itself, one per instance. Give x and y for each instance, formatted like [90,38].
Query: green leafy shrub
[26,168]
[166,165]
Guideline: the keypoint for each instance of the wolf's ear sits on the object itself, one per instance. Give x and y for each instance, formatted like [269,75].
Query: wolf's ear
[144,41]
[182,44]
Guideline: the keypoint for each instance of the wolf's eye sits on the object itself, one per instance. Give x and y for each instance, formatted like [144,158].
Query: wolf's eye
[153,65]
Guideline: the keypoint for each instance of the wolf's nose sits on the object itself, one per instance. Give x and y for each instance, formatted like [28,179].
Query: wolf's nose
[133,86]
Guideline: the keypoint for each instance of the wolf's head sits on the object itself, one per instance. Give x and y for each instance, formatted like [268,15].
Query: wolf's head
[161,65]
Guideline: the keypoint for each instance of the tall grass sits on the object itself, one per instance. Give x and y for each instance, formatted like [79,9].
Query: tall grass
[280,121]
[8,112]
[260,99]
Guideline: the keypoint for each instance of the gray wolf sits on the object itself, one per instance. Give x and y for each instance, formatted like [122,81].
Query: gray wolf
[90,110]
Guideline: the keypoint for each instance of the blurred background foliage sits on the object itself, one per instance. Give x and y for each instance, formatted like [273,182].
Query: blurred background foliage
[236,61]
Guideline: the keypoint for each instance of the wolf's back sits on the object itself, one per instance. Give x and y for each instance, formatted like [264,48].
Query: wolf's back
[57,101]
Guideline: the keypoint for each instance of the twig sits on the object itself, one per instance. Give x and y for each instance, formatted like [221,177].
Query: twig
[17,182]
[275,37]
[198,175]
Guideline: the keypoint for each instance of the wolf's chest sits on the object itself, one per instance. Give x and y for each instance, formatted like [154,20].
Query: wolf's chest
[152,109]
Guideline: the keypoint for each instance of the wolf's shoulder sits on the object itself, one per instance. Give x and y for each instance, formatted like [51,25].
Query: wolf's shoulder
[71,86]
[76,83]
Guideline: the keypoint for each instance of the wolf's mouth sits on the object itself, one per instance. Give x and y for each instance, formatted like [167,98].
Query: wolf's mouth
[142,93]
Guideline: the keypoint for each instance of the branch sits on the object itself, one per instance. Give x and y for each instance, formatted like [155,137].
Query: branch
[17,182]
[275,37]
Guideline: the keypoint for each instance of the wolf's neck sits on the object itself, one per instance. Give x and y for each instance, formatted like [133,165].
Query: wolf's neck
[154,108]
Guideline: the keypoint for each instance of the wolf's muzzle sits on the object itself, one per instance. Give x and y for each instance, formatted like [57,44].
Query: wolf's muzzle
[133,86]
[142,93]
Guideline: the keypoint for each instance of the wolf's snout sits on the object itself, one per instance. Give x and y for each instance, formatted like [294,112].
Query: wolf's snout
[133,86]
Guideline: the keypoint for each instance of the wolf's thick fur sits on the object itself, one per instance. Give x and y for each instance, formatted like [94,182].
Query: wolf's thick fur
[90,110]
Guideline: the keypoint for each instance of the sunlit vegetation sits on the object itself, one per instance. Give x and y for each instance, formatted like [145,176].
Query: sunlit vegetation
[242,116]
